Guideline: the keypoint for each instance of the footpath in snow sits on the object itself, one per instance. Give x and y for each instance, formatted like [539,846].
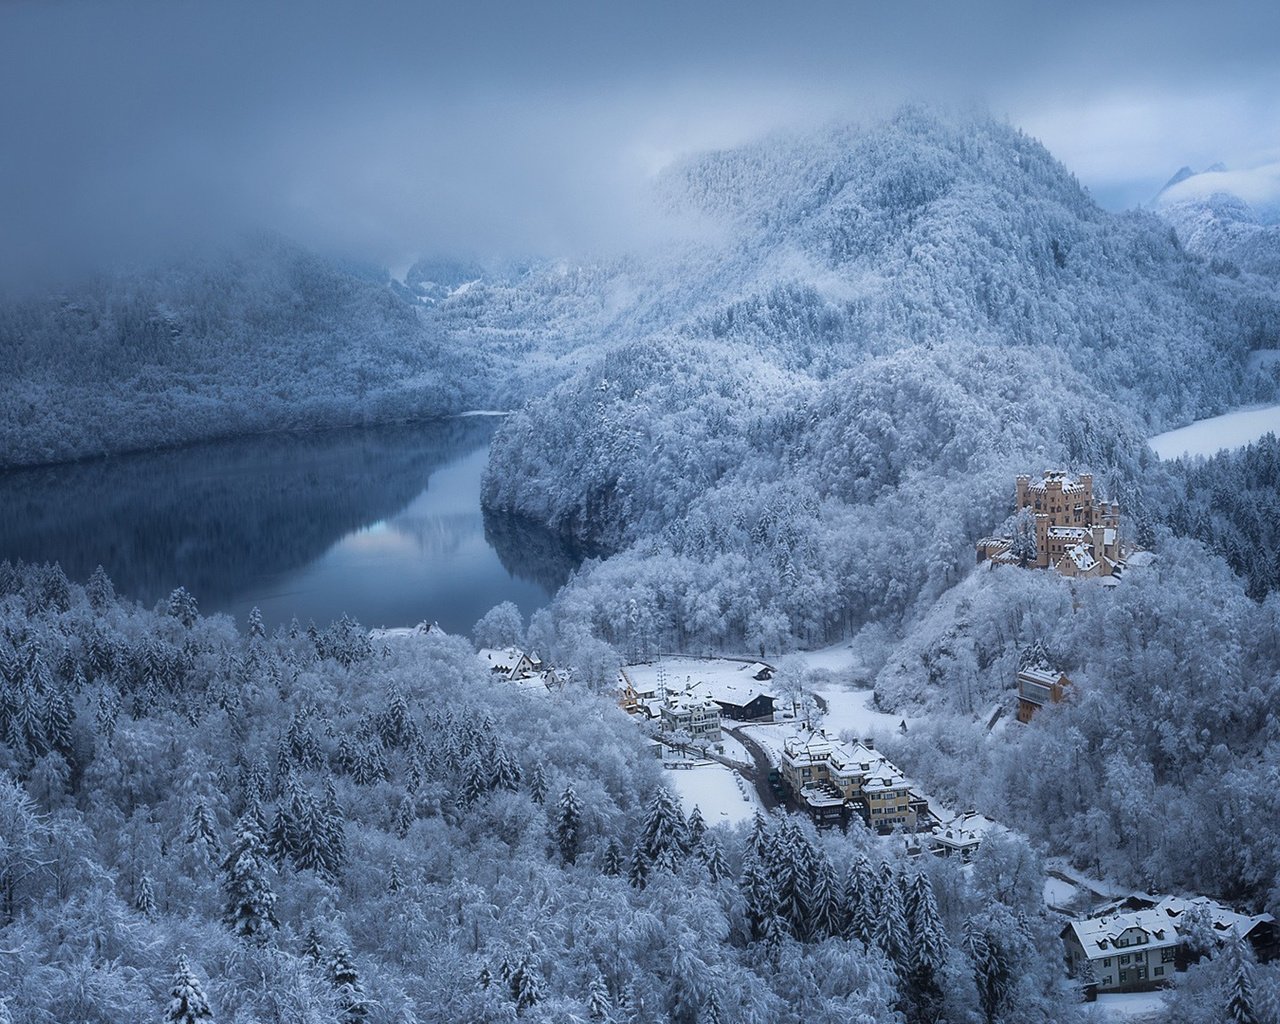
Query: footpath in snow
[1208,437]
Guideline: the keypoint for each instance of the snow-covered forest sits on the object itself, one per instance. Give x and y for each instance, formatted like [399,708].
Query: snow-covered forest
[310,827]
[782,429]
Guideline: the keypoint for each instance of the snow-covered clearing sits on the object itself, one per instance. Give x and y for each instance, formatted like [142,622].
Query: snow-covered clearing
[1058,893]
[722,795]
[732,748]
[1130,1006]
[1208,437]
[848,709]
[1263,358]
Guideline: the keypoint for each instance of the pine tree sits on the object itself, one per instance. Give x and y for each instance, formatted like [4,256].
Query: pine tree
[890,932]
[257,631]
[475,779]
[200,832]
[758,840]
[664,826]
[825,906]
[333,832]
[638,875]
[568,825]
[144,898]
[992,971]
[697,827]
[250,907]
[524,983]
[1242,1005]
[761,897]
[599,1006]
[187,1004]
[280,836]
[538,784]
[713,858]
[311,947]
[405,817]
[506,772]
[349,994]
[100,590]
[612,864]
[182,606]
[928,948]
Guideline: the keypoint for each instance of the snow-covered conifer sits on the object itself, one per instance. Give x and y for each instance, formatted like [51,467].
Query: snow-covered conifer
[568,825]
[250,903]
[187,1002]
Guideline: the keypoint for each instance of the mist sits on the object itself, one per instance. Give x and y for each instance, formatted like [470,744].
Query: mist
[383,130]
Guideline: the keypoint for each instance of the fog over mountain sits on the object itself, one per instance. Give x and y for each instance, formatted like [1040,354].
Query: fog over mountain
[394,129]
[831,336]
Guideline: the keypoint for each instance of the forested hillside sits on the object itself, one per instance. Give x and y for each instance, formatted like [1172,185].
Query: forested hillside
[903,317]
[265,337]
[795,469]
[310,827]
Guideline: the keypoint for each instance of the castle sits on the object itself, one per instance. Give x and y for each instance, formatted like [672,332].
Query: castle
[1075,532]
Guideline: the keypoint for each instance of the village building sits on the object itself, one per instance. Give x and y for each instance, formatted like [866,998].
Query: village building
[1038,686]
[525,670]
[738,688]
[830,780]
[1076,533]
[693,715]
[1137,943]
[961,835]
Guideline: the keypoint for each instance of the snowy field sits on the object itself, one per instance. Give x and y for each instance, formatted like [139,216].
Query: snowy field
[1134,1007]
[722,675]
[848,709]
[722,795]
[1208,437]
[1264,358]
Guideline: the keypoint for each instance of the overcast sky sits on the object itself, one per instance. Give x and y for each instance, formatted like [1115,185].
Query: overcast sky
[386,128]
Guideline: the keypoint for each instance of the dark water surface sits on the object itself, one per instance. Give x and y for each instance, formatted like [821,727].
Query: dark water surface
[383,524]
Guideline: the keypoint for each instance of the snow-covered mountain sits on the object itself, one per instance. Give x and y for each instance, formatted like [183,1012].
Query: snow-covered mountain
[1230,219]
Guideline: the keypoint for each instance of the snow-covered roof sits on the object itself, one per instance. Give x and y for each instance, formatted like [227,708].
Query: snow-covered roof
[1163,924]
[1082,555]
[1069,532]
[1040,674]
[1056,478]
[719,679]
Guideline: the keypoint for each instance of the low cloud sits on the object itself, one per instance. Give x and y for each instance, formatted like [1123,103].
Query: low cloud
[386,128]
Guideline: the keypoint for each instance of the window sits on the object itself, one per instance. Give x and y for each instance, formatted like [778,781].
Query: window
[1167,956]
[1124,959]
[1124,976]
[1159,972]
[1106,961]
[1107,980]
[1137,958]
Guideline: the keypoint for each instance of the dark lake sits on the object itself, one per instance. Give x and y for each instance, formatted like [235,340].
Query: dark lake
[383,524]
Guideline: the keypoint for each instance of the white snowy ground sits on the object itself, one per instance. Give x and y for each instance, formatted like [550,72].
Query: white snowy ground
[1133,1007]
[722,795]
[1208,437]
[848,709]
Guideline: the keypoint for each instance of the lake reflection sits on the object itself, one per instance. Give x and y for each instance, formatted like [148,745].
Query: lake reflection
[383,524]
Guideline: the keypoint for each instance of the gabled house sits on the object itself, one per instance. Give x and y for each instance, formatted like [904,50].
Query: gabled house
[1136,949]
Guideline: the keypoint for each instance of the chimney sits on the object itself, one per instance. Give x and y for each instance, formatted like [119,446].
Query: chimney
[869,743]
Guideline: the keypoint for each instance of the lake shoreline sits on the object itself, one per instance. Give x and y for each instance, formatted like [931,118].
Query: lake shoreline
[237,435]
